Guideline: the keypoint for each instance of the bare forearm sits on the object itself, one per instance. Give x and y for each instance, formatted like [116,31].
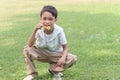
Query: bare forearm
[31,39]
[65,51]
[61,61]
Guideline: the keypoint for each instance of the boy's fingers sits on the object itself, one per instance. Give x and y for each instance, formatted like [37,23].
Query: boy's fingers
[57,64]
[39,26]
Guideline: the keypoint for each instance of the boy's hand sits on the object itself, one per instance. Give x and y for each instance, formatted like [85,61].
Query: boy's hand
[38,26]
[61,61]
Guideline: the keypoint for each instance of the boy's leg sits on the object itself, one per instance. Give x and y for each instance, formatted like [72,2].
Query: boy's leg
[56,70]
[33,53]
[29,62]
[70,60]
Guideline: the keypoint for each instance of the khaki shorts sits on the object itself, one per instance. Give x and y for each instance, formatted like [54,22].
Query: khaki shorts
[34,53]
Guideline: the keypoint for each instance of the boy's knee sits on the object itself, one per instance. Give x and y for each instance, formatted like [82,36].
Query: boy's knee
[74,58]
[26,49]
[71,59]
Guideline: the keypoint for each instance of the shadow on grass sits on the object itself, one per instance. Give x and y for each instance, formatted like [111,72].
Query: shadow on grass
[46,76]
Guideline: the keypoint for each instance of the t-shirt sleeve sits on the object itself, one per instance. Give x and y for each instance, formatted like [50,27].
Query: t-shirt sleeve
[62,37]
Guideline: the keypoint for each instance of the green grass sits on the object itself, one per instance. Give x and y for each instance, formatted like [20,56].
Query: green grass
[92,31]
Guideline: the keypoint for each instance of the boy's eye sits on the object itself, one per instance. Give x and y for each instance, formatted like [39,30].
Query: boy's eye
[50,19]
[47,18]
[44,18]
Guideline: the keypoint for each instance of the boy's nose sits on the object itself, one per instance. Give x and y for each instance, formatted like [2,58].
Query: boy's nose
[47,22]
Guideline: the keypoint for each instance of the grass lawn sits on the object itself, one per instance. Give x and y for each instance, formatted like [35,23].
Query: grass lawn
[92,31]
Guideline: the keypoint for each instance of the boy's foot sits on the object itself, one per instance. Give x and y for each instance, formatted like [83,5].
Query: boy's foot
[53,73]
[58,76]
[30,77]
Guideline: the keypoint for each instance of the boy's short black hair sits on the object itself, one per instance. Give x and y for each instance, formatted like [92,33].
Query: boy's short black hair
[50,9]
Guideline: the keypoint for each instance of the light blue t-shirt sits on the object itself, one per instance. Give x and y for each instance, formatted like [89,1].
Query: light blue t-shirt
[52,42]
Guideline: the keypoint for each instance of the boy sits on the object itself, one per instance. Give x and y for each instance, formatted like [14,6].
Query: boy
[50,46]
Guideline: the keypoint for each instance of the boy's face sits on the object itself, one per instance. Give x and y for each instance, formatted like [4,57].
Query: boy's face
[47,19]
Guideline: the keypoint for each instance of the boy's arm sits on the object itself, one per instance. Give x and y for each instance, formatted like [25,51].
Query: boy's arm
[65,51]
[61,61]
[32,39]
